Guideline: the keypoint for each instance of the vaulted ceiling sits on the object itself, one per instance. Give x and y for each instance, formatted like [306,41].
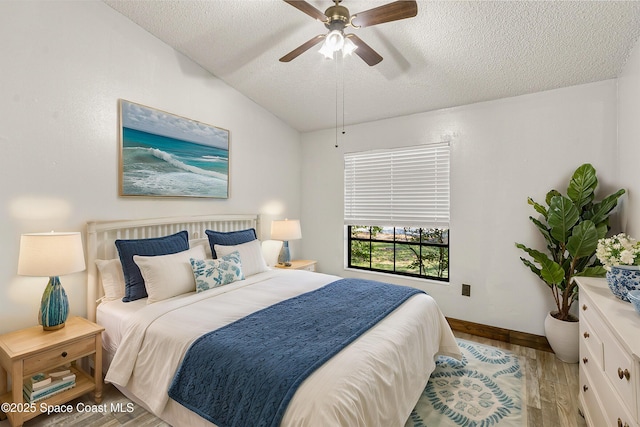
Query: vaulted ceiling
[452,53]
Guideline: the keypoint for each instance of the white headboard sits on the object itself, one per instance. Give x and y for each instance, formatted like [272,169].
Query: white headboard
[101,236]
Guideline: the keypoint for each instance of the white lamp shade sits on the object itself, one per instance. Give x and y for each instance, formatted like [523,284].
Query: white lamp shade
[349,47]
[288,229]
[50,254]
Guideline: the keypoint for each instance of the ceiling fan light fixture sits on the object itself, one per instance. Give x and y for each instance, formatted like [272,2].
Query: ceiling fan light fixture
[333,42]
[336,18]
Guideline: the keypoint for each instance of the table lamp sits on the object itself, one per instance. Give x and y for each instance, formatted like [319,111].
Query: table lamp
[285,230]
[53,255]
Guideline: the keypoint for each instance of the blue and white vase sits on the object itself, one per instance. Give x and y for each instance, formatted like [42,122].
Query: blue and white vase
[54,306]
[622,279]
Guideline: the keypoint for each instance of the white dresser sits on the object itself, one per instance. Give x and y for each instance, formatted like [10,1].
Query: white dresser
[609,357]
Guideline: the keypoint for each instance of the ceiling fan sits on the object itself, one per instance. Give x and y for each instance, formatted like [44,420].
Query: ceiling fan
[336,18]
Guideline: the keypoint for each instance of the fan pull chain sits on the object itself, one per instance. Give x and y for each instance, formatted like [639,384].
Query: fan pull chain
[339,78]
[335,54]
[343,98]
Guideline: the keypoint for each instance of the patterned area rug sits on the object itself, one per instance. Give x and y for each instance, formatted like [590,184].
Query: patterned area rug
[484,389]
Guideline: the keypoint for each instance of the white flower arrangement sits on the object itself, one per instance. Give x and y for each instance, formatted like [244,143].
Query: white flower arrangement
[618,250]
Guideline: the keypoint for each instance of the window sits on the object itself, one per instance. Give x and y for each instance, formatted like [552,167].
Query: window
[397,211]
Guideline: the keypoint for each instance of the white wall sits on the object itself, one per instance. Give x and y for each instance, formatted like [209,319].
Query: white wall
[502,152]
[65,64]
[629,140]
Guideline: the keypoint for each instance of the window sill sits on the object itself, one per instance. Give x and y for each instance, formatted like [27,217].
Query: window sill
[396,276]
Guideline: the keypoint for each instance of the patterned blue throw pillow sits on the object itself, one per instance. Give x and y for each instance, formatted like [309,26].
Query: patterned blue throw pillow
[211,273]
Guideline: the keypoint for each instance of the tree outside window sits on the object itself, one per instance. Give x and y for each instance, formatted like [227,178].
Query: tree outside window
[409,251]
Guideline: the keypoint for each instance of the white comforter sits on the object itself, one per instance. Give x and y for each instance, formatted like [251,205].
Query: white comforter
[375,381]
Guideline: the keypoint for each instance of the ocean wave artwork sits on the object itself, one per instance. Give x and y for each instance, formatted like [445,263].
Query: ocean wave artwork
[166,155]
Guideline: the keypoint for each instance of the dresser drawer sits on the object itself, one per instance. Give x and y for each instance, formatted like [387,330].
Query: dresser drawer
[620,370]
[590,339]
[588,362]
[58,356]
[592,408]
[617,414]
[601,403]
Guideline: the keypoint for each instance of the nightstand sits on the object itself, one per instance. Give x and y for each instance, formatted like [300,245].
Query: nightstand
[29,351]
[300,264]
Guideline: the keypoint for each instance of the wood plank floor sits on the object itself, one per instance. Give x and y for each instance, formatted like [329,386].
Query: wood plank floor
[551,396]
[552,385]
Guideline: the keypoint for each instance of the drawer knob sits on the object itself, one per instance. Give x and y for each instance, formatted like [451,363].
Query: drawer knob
[64,354]
[624,374]
[585,388]
[584,307]
[585,360]
[586,334]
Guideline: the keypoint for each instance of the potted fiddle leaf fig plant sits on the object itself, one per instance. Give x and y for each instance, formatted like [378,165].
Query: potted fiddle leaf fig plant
[571,226]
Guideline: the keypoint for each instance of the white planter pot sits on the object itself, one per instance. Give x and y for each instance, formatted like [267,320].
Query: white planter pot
[563,338]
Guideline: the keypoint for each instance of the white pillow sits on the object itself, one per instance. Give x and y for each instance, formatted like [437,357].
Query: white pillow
[271,251]
[112,278]
[166,276]
[204,242]
[251,256]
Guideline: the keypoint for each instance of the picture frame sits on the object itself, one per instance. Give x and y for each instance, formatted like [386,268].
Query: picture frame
[166,155]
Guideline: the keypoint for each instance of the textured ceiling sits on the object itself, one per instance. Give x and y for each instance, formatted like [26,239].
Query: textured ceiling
[453,53]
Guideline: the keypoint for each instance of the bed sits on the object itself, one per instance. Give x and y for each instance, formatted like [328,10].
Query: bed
[375,380]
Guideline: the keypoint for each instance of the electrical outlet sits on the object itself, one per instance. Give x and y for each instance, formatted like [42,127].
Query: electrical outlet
[466,290]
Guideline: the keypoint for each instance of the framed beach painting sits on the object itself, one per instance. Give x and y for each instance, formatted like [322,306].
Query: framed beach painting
[165,155]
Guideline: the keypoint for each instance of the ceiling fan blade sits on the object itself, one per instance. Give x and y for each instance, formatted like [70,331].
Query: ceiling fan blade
[387,13]
[365,51]
[302,48]
[308,9]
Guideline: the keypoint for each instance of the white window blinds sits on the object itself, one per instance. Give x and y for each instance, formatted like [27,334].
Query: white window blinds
[400,187]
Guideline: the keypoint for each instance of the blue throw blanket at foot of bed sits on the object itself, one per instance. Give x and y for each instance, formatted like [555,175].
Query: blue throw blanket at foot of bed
[245,373]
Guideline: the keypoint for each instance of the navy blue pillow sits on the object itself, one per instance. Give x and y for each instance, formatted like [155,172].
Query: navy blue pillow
[229,238]
[133,281]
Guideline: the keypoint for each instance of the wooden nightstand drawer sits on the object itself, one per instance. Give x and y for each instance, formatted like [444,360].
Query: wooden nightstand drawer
[59,356]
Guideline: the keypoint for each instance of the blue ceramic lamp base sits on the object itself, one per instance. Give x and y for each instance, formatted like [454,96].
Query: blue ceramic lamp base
[285,255]
[54,307]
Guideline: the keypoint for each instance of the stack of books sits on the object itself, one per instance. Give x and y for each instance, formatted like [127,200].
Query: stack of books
[42,386]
